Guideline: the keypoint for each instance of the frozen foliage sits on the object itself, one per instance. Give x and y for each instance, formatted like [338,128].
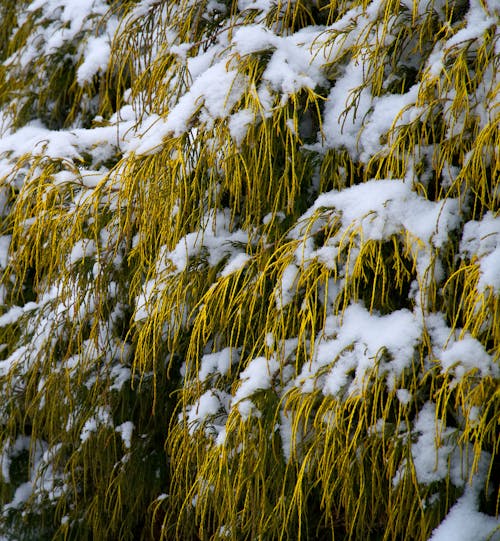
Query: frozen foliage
[61,36]
[361,339]
[125,430]
[463,522]
[481,239]
[217,363]
[250,259]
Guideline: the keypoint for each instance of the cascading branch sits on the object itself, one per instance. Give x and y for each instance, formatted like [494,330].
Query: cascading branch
[251,269]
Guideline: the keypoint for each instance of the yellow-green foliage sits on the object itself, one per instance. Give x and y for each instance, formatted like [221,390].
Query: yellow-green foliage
[249,287]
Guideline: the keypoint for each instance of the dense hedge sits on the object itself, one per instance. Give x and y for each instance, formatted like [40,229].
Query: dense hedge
[250,259]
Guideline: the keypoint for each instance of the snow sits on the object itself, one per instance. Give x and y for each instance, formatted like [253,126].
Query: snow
[404,396]
[125,430]
[34,138]
[69,12]
[387,112]
[82,249]
[464,522]
[429,457]
[257,376]
[214,238]
[239,123]
[261,5]
[481,239]
[13,360]
[235,264]
[477,23]
[384,207]
[120,375]
[417,6]
[11,450]
[4,250]
[11,316]
[217,363]
[292,67]
[212,95]
[287,441]
[22,494]
[360,338]
[284,295]
[209,404]
[102,417]
[343,121]
[97,52]
[467,355]
[254,38]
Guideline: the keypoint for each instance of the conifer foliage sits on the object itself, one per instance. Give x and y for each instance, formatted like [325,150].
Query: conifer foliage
[250,257]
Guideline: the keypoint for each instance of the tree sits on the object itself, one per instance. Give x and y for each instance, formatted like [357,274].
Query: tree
[251,269]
